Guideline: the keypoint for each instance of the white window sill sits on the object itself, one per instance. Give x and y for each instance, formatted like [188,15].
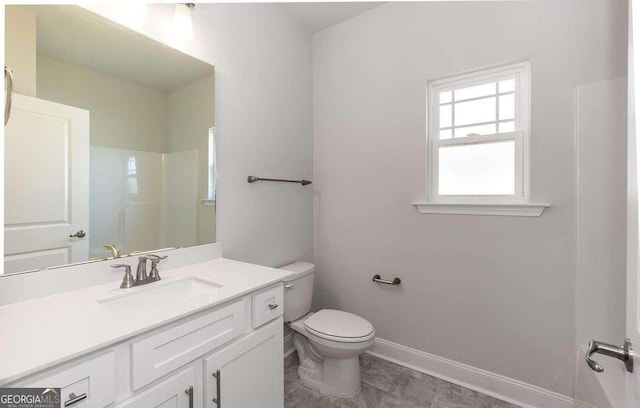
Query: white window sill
[511,209]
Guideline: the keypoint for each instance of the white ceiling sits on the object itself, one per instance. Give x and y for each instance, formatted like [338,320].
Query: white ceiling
[77,36]
[318,16]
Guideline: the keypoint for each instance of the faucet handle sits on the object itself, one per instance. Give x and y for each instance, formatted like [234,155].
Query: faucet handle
[127,280]
[156,258]
[154,275]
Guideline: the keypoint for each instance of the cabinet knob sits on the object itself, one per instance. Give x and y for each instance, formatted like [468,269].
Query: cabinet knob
[272,306]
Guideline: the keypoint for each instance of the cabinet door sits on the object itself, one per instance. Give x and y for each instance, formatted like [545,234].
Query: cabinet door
[250,371]
[170,393]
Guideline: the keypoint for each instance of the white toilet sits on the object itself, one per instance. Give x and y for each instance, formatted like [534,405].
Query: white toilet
[328,342]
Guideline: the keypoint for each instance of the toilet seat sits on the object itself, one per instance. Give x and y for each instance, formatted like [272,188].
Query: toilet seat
[339,326]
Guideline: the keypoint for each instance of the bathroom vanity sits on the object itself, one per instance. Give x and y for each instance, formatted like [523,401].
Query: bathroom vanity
[207,335]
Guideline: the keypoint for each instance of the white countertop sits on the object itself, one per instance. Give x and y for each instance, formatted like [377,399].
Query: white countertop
[40,333]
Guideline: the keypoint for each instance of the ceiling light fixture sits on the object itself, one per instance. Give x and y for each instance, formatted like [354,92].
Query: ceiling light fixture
[182,26]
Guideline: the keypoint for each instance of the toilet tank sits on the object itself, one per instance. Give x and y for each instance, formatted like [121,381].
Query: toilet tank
[298,290]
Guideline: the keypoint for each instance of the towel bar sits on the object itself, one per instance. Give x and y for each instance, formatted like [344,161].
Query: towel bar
[253,179]
[377,278]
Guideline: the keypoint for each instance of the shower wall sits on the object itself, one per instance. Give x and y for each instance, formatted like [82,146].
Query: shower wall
[181,198]
[142,200]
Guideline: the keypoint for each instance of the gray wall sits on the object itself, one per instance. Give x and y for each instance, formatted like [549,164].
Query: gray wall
[601,225]
[602,221]
[497,293]
[263,119]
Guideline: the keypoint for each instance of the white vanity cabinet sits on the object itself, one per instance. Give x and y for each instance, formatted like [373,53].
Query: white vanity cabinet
[247,373]
[241,341]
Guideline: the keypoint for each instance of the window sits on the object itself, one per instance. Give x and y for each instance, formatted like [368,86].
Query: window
[212,172]
[211,165]
[132,175]
[478,131]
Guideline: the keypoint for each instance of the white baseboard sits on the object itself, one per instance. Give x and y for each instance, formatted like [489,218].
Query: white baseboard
[498,386]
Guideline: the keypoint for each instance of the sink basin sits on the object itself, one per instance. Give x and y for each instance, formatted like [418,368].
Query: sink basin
[163,297]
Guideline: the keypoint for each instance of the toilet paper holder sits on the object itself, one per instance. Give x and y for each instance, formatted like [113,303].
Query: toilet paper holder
[377,278]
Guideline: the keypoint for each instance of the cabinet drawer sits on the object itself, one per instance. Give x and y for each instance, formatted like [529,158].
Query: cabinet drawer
[168,349]
[93,378]
[267,305]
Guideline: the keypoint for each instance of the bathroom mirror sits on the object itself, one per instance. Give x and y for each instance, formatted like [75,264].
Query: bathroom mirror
[112,152]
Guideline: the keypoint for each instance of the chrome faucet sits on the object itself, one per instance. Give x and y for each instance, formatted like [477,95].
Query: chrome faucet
[141,278]
[115,253]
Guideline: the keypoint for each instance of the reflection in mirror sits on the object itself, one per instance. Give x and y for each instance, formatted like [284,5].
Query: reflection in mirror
[113,153]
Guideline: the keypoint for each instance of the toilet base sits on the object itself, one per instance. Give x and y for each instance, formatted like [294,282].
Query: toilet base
[337,376]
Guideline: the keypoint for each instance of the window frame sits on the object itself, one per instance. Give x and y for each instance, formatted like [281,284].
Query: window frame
[522,118]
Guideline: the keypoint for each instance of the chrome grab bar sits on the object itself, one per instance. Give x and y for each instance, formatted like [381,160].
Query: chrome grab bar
[8,77]
[253,179]
[622,353]
[377,278]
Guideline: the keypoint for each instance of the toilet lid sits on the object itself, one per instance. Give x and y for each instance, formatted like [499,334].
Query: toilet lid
[337,323]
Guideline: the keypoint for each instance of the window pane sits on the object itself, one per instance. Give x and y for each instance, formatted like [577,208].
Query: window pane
[445,116]
[445,97]
[489,129]
[507,127]
[481,110]
[475,91]
[508,85]
[445,133]
[507,106]
[478,169]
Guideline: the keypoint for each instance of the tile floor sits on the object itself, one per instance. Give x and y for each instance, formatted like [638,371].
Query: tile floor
[386,385]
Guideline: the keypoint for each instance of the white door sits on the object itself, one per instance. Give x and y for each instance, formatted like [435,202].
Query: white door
[608,244]
[46,184]
[249,372]
[180,390]
[633,156]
